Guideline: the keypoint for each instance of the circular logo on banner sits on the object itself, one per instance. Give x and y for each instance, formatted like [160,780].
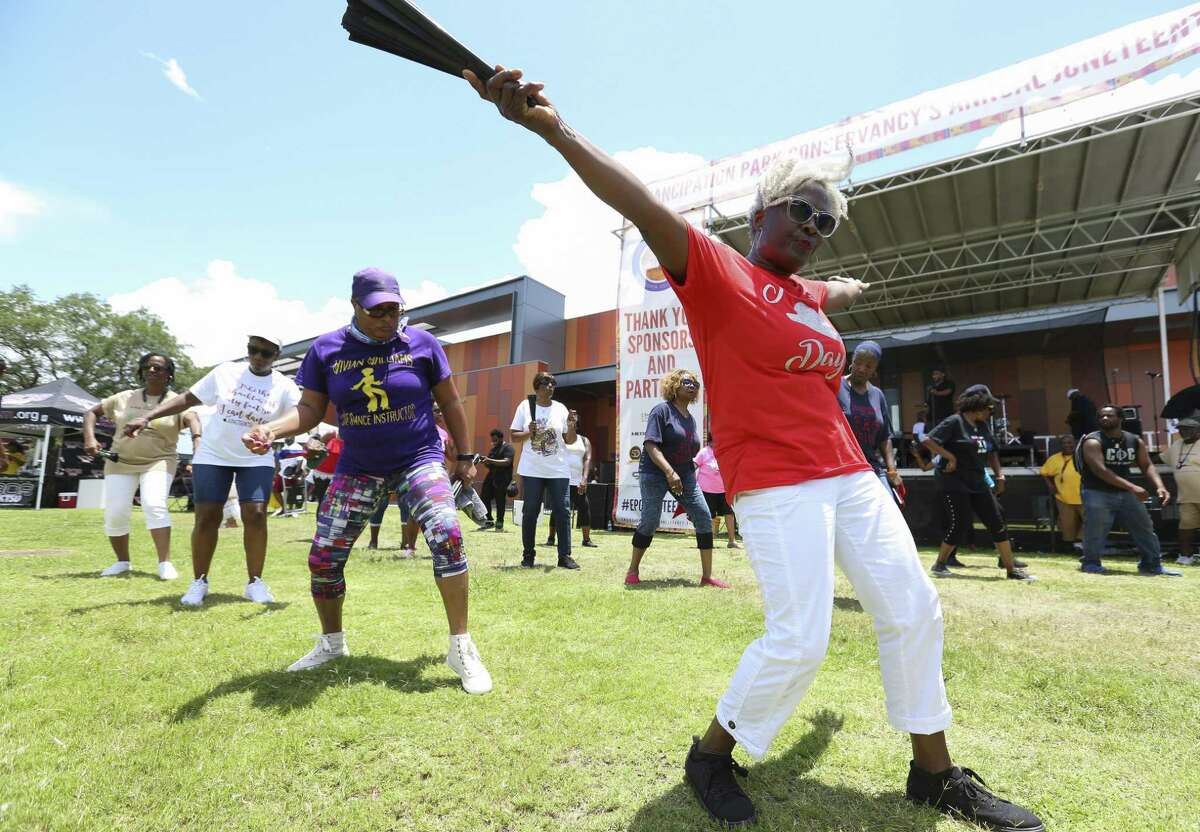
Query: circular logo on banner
[645,266]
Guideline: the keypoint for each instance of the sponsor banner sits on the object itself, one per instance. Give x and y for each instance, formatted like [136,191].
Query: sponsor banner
[652,340]
[17,492]
[1092,66]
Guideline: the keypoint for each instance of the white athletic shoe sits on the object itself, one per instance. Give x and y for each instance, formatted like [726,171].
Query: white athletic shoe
[464,660]
[1185,560]
[166,571]
[258,592]
[323,652]
[118,568]
[194,597]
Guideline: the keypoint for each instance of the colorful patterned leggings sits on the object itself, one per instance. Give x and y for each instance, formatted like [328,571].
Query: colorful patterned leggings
[348,505]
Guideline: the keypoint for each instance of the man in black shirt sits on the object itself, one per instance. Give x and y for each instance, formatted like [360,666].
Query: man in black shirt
[499,462]
[939,398]
[1103,459]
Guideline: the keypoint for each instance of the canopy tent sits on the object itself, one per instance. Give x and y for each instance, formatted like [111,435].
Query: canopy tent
[43,411]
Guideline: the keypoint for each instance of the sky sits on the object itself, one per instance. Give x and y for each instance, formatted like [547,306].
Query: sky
[230,166]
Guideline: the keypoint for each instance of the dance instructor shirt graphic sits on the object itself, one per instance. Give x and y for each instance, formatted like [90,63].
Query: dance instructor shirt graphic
[383,394]
[773,365]
[240,400]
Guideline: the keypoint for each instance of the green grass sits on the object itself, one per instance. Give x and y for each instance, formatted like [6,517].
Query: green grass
[1078,696]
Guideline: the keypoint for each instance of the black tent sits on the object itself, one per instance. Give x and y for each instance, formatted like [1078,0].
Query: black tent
[42,411]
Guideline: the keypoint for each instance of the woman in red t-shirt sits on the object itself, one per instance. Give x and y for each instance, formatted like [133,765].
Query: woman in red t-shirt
[804,494]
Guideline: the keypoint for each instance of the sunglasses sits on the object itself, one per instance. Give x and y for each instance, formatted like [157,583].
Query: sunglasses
[548,384]
[801,212]
[386,310]
[253,350]
[689,382]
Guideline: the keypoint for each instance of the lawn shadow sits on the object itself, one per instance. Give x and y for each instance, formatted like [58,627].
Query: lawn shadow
[958,576]
[284,692]
[95,575]
[212,599]
[659,583]
[784,798]
[847,604]
[516,567]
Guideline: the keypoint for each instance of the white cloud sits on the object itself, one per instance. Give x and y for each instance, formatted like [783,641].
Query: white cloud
[1131,96]
[17,204]
[175,74]
[213,314]
[571,247]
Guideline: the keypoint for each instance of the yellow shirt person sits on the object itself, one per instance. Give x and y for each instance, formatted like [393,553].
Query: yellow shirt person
[1061,468]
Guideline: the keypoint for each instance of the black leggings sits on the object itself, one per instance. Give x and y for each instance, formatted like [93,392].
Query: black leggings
[956,516]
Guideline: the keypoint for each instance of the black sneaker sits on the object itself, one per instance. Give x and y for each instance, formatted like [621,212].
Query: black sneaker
[567,563]
[549,541]
[954,561]
[962,792]
[940,570]
[1020,564]
[1020,575]
[590,544]
[711,777]
[527,562]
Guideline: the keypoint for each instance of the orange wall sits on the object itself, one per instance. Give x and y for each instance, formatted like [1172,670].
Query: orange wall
[480,354]
[591,341]
[490,397]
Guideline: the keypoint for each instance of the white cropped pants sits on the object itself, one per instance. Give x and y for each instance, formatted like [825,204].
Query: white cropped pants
[793,535]
[118,500]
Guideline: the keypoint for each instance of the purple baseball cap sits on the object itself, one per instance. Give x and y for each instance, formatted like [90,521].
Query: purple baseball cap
[374,286]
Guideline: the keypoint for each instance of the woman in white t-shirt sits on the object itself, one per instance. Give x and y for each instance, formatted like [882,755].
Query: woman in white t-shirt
[243,395]
[543,437]
[579,459]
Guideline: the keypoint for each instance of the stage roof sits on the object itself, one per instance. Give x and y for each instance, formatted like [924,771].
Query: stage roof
[1093,212]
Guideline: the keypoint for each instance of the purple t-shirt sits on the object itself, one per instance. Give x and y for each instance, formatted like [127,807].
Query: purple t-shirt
[383,395]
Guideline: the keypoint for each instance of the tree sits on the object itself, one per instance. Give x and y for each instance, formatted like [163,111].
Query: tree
[82,338]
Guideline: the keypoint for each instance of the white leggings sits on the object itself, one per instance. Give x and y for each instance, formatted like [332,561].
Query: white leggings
[793,536]
[118,500]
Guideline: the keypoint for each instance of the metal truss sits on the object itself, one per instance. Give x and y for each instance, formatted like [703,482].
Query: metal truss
[1133,229]
[1132,120]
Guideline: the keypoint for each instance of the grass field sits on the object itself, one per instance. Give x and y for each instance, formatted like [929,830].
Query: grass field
[1078,695]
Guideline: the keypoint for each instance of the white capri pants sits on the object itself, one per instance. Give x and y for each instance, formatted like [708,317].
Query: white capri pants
[793,536]
[118,500]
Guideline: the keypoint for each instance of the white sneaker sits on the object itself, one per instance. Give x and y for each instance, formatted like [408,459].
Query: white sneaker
[166,571]
[464,660]
[118,568]
[323,652]
[194,597]
[1185,560]
[258,592]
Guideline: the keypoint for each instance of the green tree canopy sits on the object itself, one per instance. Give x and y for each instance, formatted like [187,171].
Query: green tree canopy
[81,337]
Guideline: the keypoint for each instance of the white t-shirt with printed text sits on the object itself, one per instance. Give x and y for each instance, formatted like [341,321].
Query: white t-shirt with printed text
[544,454]
[240,400]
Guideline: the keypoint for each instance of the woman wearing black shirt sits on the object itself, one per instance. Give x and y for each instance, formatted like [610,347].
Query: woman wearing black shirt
[666,465]
[965,444]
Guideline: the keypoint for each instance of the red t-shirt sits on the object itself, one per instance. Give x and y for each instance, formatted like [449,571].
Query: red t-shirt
[329,463]
[773,363]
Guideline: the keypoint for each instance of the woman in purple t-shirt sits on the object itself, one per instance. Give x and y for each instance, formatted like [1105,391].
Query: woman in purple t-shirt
[383,379]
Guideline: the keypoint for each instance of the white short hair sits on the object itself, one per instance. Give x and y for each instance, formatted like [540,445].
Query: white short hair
[786,175]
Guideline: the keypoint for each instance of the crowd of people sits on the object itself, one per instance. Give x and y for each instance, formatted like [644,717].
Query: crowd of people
[798,457]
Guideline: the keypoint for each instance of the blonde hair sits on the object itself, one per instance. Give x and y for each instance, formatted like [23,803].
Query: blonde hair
[786,175]
[670,383]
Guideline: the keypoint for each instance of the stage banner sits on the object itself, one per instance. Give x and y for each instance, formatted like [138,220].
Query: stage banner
[1092,66]
[652,340]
